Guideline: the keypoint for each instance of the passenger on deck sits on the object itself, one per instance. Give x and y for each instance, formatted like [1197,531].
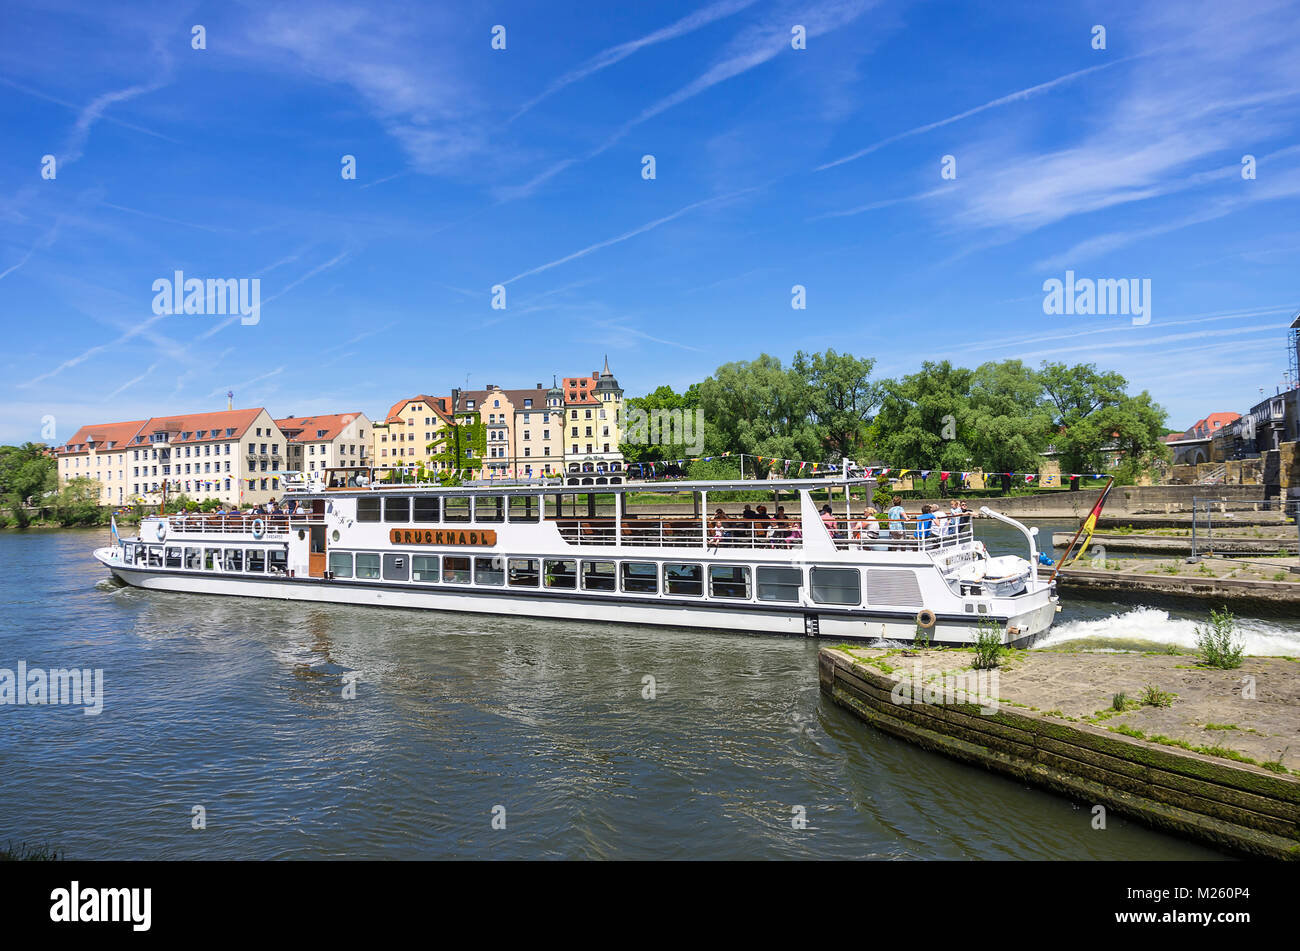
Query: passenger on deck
[897,518]
[717,528]
[828,519]
[954,518]
[867,528]
[763,523]
[780,525]
[940,521]
[924,523]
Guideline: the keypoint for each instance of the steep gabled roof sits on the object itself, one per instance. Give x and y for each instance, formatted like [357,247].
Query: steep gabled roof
[105,436]
[306,429]
[218,426]
[439,404]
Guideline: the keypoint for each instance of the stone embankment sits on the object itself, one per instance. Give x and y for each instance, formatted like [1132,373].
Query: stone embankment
[1201,752]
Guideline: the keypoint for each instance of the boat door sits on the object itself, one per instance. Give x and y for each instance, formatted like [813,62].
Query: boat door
[316,560]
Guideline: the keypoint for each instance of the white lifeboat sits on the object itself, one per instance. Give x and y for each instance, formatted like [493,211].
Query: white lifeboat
[1001,577]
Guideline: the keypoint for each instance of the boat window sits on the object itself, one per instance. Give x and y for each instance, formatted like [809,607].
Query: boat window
[561,574]
[278,560]
[368,509]
[397,567]
[234,559]
[684,579]
[424,568]
[256,560]
[155,556]
[212,559]
[779,584]
[524,508]
[489,508]
[598,576]
[524,572]
[641,577]
[341,564]
[836,585]
[367,565]
[397,509]
[490,570]
[728,581]
[456,509]
[455,569]
[194,558]
[426,508]
[173,559]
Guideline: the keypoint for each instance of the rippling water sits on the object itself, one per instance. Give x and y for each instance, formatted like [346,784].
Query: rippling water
[237,705]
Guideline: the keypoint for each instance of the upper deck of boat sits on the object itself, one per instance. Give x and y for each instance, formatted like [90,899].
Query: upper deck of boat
[344,482]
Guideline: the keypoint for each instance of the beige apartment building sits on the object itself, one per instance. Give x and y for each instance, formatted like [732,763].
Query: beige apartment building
[523,429]
[593,413]
[402,438]
[100,453]
[235,456]
[322,442]
[572,426]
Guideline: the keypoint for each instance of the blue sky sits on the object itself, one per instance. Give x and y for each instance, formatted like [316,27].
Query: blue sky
[523,167]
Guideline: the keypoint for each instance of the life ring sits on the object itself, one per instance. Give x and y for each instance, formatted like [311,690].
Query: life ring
[161,530]
[925,619]
[259,528]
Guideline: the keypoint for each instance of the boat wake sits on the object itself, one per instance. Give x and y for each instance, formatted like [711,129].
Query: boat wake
[1141,629]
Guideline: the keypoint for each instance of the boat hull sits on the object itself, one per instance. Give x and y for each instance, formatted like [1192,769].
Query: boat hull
[861,623]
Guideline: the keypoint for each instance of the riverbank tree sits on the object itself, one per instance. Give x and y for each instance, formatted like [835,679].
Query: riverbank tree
[1002,416]
[27,475]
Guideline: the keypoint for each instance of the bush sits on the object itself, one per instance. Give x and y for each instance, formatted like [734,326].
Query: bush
[1217,641]
[1153,696]
[78,504]
[988,646]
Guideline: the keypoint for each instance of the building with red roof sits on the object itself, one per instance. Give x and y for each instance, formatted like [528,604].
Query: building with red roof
[234,455]
[321,442]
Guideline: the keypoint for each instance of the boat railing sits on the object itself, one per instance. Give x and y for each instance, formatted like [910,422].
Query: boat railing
[278,524]
[911,534]
[669,532]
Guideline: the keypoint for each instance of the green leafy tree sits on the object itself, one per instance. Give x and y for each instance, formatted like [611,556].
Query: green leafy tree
[1007,424]
[27,474]
[841,397]
[1092,410]
[919,423]
[643,421]
[77,503]
[759,407]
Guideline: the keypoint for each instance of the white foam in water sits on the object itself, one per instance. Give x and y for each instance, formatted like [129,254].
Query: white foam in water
[1259,636]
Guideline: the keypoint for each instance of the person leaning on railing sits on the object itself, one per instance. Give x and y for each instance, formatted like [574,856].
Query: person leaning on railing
[897,518]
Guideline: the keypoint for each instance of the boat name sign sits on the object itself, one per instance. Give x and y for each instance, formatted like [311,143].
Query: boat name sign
[406,536]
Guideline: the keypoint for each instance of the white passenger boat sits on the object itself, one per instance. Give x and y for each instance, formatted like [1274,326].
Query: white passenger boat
[597,554]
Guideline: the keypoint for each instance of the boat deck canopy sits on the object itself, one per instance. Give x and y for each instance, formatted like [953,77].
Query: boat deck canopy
[557,488]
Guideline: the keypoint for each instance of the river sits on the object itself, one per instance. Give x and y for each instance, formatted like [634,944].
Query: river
[238,706]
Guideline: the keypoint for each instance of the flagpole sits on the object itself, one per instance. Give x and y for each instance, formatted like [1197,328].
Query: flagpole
[1060,564]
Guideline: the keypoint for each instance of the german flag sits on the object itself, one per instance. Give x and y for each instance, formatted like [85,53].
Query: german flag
[1089,524]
